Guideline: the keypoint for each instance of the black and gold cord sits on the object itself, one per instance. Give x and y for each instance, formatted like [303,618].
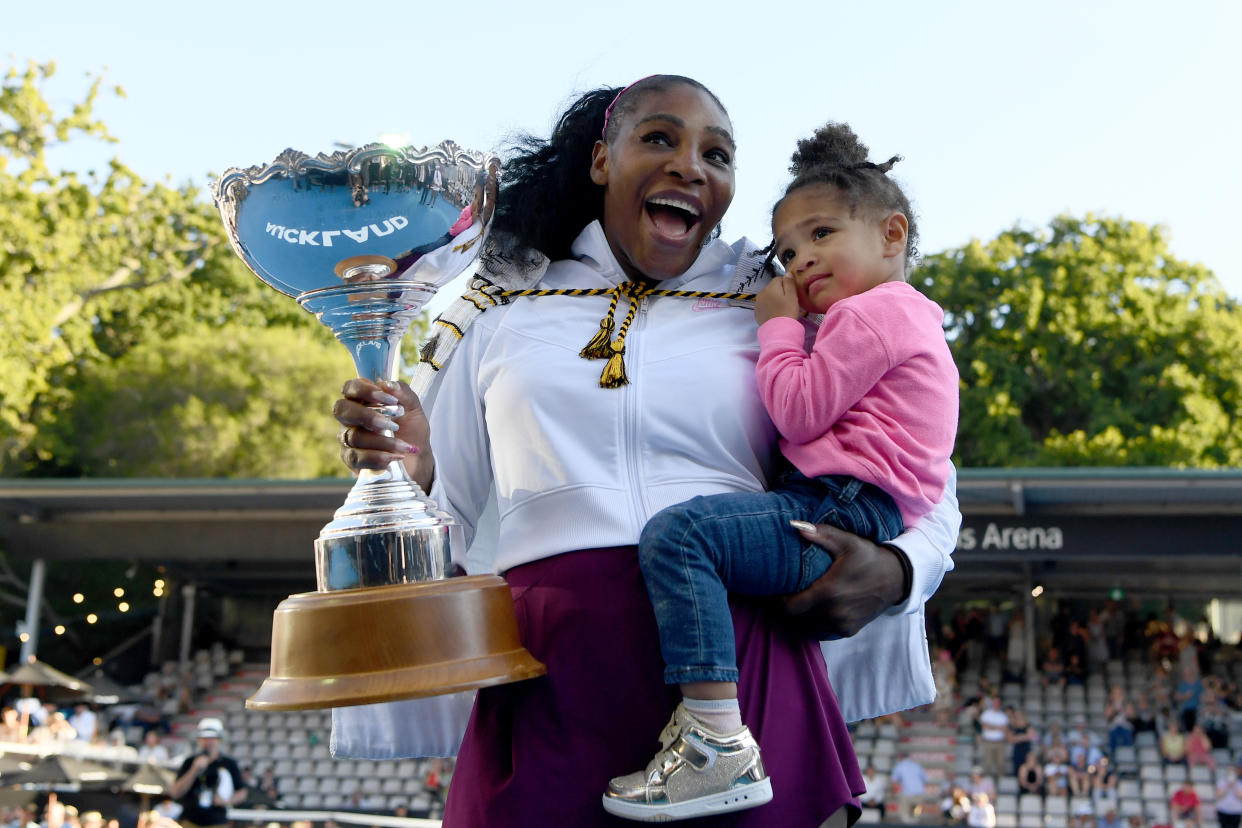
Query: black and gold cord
[603,345]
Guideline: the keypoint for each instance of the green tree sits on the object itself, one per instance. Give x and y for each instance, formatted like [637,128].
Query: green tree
[1089,344]
[133,341]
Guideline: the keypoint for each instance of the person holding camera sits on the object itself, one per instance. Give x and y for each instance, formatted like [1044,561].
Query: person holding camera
[208,782]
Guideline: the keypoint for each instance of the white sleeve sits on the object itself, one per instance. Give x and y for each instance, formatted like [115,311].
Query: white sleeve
[459,438]
[929,544]
[225,788]
[885,667]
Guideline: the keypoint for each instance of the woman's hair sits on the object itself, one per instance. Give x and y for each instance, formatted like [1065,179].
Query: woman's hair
[546,195]
[835,156]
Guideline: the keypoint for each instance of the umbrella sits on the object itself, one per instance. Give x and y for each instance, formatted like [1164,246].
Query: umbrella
[104,690]
[149,780]
[61,773]
[37,674]
[10,765]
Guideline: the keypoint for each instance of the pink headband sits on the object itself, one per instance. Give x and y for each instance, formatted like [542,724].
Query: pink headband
[603,133]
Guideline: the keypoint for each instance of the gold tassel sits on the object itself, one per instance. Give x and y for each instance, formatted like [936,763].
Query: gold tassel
[614,371]
[598,347]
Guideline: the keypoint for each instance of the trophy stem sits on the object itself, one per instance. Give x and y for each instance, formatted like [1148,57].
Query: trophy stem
[388,531]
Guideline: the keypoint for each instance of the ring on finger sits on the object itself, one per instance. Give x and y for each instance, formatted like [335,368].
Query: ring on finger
[343,437]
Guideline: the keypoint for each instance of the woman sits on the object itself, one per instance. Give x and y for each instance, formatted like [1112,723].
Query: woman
[1031,774]
[1173,744]
[1021,736]
[627,192]
[1199,749]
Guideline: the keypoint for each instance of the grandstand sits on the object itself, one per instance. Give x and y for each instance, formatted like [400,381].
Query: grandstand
[1074,537]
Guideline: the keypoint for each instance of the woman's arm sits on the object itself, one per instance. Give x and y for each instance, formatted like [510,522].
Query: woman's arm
[452,411]
[867,579]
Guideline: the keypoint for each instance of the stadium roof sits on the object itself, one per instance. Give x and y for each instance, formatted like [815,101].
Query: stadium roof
[1141,528]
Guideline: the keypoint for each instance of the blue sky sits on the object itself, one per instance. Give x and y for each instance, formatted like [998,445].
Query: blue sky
[1005,112]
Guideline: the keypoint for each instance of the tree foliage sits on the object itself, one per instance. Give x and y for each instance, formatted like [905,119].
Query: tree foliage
[1089,344]
[133,341]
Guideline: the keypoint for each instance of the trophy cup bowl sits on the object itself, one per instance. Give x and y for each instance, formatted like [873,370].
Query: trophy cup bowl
[361,239]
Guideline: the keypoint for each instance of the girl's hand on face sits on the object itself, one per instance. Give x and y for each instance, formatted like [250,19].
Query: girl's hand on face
[779,298]
[363,444]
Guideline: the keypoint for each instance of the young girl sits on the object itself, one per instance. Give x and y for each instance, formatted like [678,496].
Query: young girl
[867,421]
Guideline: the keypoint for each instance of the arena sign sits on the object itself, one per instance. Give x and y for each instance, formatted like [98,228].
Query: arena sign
[1098,535]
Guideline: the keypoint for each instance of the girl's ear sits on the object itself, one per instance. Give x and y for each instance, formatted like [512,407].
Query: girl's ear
[599,163]
[895,228]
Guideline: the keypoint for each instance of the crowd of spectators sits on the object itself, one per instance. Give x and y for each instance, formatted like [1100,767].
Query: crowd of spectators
[1186,703]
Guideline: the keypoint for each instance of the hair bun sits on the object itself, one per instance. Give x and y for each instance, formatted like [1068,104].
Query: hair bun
[832,145]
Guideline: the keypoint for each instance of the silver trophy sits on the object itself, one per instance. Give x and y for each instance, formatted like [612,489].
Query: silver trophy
[362,238]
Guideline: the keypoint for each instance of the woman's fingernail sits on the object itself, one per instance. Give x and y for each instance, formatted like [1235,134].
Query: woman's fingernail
[386,399]
[405,448]
[803,526]
[387,425]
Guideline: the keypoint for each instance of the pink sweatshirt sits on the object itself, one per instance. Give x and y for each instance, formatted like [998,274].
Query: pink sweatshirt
[876,398]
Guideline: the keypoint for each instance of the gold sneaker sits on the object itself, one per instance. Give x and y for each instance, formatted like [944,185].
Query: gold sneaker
[696,773]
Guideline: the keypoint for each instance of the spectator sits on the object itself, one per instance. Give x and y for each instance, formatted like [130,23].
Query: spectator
[1229,798]
[1052,674]
[993,734]
[1076,645]
[11,726]
[1083,746]
[1031,774]
[1053,734]
[32,712]
[877,790]
[1199,749]
[1185,807]
[996,628]
[1173,744]
[1075,669]
[1015,650]
[1104,784]
[1083,816]
[981,784]
[1188,653]
[1215,720]
[268,784]
[56,730]
[1115,623]
[208,783]
[1144,716]
[1187,695]
[1056,769]
[151,750]
[168,808]
[954,805]
[1121,725]
[1109,820]
[944,673]
[84,722]
[981,814]
[1097,642]
[1159,688]
[908,782]
[1021,738]
[1079,776]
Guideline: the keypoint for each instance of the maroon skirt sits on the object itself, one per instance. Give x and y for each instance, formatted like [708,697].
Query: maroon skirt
[540,752]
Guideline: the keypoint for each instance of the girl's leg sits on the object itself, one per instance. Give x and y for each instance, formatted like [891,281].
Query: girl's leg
[693,554]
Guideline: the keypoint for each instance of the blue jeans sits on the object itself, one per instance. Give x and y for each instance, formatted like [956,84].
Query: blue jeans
[695,553]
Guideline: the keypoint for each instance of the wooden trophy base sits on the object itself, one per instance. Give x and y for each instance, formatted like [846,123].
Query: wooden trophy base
[404,641]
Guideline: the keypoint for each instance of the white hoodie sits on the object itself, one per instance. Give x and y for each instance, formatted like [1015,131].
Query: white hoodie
[516,414]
